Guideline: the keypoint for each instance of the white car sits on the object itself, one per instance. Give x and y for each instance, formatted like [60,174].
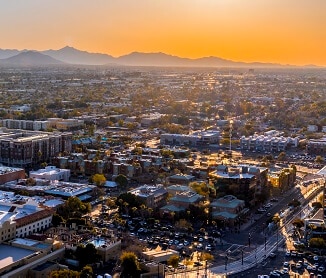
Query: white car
[286,264]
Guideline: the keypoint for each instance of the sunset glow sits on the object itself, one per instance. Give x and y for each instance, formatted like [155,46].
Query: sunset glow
[279,31]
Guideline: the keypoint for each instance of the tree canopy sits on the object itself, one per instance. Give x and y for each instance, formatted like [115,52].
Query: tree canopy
[99,179]
[129,264]
[86,254]
[73,207]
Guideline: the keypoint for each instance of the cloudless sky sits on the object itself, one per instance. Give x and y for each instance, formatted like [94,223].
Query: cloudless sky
[282,31]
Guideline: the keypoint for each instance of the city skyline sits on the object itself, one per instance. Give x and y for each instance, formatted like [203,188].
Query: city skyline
[271,31]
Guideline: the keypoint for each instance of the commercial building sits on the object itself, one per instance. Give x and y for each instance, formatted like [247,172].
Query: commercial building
[10,174]
[317,146]
[244,180]
[51,173]
[153,196]
[195,139]
[263,143]
[22,220]
[227,209]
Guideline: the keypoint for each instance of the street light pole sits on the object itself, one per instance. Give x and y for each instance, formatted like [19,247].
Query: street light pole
[249,239]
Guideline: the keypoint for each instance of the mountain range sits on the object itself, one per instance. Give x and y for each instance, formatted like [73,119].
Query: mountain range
[69,55]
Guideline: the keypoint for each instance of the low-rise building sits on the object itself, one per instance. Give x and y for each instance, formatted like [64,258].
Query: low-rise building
[181,179]
[9,174]
[152,196]
[227,209]
[51,173]
[317,146]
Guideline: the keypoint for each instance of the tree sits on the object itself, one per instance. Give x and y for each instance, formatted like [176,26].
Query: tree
[317,243]
[200,187]
[86,254]
[298,223]
[319,159]
[99,179]
[128,200]
[57,219]
[73,207]
[30,182]
[281,156]
[129,264]
[121,180]
[86,272]
[204,256]
[294,203]
[173,261]
[64,273]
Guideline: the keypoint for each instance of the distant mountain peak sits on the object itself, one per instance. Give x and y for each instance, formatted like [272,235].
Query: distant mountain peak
[31,58]
[71,55]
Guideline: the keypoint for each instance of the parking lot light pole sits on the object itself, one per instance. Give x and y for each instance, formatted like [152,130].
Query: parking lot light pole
[249,239]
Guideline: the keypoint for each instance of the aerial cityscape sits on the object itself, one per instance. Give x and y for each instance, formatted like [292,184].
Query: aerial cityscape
[152,142]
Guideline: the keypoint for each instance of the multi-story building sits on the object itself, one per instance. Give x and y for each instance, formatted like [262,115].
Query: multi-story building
[57,123]
[195,139]
[317,146]
[153,196]
[25,124]
[263,143]
[244,180]
[22,220]
[24,148]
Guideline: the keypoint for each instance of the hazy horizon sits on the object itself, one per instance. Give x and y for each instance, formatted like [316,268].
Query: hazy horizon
[269,31]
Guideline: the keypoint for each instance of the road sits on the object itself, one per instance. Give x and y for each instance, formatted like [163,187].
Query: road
[257,255]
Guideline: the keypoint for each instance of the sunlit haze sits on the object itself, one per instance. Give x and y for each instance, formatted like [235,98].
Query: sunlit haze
[280,31]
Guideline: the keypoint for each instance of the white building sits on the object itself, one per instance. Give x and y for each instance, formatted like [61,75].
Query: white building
[267,143]
[312,128]
[51,173]
[22,220]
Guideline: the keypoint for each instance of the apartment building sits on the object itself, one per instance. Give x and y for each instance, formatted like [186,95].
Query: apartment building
[23,148]
[57,123]
[262,143]
[195,139]
[25,124]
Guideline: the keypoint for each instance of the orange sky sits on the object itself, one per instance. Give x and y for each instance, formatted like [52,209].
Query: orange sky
[282,31]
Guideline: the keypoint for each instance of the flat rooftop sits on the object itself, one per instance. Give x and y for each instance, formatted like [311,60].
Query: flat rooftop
[10,254]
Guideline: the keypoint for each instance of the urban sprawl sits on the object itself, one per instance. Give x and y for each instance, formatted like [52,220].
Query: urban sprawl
[162,172]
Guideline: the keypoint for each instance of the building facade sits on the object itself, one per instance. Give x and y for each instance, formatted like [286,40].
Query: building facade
[25,148]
